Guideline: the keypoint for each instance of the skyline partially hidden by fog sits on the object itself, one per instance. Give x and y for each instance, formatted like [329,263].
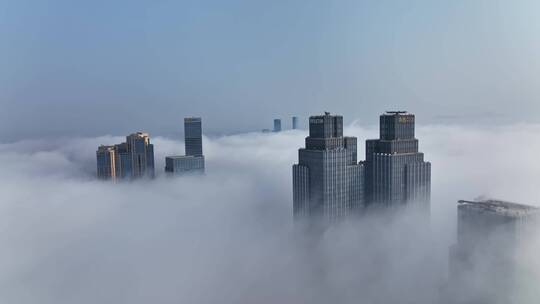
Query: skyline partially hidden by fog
[228,236]
[72,68]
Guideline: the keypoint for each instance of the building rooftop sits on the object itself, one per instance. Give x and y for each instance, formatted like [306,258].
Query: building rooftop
[106,147]
[139,134]
[326,114]
[499,207]
[184,156]
[392,113]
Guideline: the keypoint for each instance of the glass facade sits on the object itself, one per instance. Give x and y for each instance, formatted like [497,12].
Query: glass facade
[193,135]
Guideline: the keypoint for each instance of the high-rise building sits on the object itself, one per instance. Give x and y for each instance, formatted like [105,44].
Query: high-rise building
[106,168]
[142,154]
[193,161]
[277,125]
[193,135]
[483,262]
[327,181]
[396,173]
[132,159]
[294,122]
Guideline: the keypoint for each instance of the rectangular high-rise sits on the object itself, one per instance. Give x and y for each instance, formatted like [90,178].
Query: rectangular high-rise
[397,174]
[327,181]
[141,153]
[193,161]
[106,168]
[132,159]
[484,261]
[193,136]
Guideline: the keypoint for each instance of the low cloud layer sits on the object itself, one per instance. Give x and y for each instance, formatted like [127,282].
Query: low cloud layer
[228,236]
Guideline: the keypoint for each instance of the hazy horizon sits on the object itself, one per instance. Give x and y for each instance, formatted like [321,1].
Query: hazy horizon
[90,68]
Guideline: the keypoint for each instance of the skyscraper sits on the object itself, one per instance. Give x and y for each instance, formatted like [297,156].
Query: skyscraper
[294,122]
[141,153]
[397,174]
[277,125]
[193,135]
[327,181]
[132,159]
[483,262]
[106,168]
[193,161]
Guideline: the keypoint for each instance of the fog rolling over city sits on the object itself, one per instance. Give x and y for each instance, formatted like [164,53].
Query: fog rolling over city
[228,236]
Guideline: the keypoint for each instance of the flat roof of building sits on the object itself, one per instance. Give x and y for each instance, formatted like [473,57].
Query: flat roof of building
[500,207]
[392,113]
[184,156]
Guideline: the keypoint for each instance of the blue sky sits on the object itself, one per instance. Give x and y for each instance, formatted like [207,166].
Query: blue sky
[111,67]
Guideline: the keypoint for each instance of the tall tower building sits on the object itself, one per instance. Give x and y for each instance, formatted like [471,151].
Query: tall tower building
[397,174]
[193,135]
[294,122]
[327,181]
[277,125]
[142,154]
[106,168]
[483,263]
[132,159]
[193,161]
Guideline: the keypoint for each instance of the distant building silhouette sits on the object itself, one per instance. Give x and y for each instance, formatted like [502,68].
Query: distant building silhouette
[327,181]
[294,122]
[132,159]
[277,125]
[397,174]
[193,161]
[483,262]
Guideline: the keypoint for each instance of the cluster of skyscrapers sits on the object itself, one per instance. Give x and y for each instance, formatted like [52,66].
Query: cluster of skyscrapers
[135,158]
[131,159]
[329,182]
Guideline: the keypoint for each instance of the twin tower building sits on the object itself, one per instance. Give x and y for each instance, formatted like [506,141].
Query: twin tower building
[329,183]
